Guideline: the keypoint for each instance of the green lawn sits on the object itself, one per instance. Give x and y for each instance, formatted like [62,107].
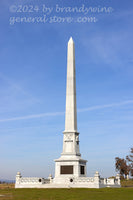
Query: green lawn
[67,194]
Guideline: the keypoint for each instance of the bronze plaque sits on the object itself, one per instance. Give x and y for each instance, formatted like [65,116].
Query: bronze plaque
[82,169]
[66,169]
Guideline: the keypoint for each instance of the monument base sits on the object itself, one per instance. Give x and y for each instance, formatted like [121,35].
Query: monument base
[78,182]
[69,168]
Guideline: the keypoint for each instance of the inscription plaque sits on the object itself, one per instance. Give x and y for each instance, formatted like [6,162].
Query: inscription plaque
[66,169]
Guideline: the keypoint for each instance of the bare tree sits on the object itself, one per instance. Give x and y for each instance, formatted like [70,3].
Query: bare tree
[122,167]
[129,159]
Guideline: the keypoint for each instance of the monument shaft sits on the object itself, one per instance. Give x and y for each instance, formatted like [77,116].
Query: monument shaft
[71,112]
[71,136]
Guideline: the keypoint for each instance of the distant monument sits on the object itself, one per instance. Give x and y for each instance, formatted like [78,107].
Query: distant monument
[70,168]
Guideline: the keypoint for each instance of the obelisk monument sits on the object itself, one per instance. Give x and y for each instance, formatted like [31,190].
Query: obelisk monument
[70,168]
[71,110]
[71,139]
[70,164]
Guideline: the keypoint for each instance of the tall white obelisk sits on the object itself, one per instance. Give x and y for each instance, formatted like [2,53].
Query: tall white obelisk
[71,139]
[71,110]
[70,164]
[70,168]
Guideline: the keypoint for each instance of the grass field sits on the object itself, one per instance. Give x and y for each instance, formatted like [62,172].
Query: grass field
[8,193]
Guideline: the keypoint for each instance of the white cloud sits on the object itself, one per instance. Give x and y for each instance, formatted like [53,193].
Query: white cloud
[106,106]
[14,96]
[62,113]
[32,116]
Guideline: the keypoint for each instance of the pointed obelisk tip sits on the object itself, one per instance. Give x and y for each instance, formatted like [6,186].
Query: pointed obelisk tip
[71,40]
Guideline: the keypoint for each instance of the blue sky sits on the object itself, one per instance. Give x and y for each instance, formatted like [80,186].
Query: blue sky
[33,86]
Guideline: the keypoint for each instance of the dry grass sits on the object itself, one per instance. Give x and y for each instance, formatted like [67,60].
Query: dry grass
[7,185]
[127,183]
